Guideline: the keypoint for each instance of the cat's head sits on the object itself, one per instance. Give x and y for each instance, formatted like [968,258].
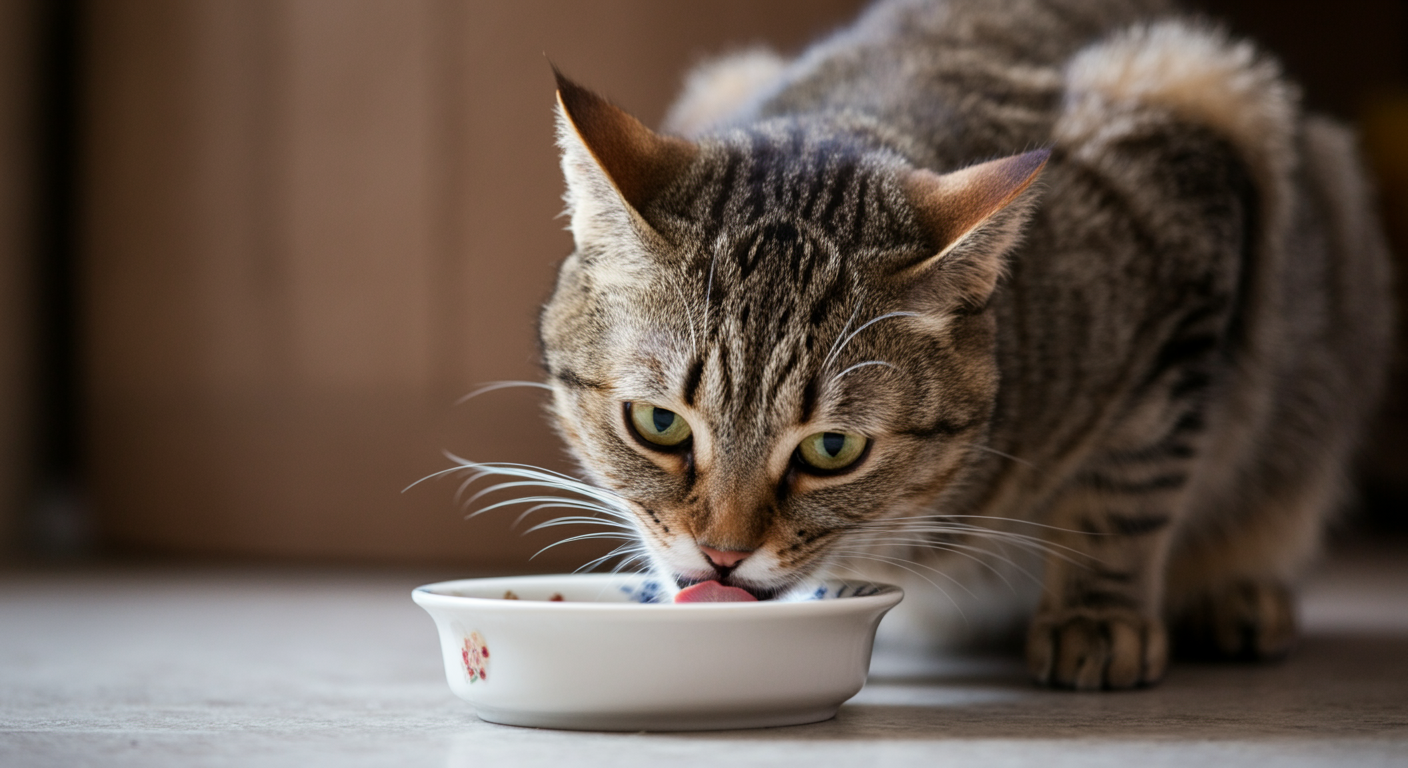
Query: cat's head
[771,336]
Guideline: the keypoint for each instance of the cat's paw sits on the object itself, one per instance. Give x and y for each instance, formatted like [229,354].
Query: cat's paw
[1247,620]
[1092,650]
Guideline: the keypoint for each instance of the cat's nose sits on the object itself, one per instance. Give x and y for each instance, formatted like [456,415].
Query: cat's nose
[723,558]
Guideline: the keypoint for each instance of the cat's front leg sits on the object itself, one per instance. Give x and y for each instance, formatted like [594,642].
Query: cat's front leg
[1099,623]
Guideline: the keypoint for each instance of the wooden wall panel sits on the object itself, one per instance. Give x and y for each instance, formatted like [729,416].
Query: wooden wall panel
[19,32]
[311,225]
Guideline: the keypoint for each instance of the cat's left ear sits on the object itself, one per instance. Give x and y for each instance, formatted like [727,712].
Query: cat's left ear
[613,163]
[972,217]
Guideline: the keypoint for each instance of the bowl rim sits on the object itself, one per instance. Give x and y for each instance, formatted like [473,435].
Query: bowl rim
[427,595]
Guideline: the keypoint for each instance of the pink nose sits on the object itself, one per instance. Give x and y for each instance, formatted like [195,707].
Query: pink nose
[722,558]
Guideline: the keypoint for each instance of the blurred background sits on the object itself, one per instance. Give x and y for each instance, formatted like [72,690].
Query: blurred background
[251,254]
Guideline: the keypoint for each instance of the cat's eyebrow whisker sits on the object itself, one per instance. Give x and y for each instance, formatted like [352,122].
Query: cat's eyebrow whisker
[709,291]
[860,365]
[689,313]
[496,385]
[842,347]
[832,350]
[994,451]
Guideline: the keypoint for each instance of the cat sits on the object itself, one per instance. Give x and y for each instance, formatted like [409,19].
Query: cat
[975,277]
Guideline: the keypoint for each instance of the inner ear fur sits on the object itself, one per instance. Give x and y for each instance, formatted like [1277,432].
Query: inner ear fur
[637,161]
[971,222]
[950,206]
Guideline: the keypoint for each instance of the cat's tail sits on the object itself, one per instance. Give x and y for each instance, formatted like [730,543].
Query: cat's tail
[1196,73]
[719,89]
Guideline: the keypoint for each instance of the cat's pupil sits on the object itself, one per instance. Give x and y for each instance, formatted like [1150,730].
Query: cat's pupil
[831,442]
[662,419]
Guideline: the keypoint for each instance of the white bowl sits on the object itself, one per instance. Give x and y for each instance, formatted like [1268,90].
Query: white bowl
[610,658]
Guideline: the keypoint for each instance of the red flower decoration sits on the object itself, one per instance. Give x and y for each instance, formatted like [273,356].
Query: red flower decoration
[475,655]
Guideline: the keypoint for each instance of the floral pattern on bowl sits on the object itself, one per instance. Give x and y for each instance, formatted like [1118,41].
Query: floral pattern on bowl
[844,590]
[475,655]
[650,591]
[647,591]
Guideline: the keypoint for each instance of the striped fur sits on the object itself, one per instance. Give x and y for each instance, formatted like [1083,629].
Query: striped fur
[1163,352]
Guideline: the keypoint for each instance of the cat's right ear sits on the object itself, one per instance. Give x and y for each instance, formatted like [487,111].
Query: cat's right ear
[972,218]
[613,163]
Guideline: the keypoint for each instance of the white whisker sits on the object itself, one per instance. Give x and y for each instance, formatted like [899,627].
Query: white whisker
[840,349]
[709,292]
[624,549]
[963,550]
[689,313]
[832,350]
[996,452]
[946,516]
[1030,543]
[867,554]
[860,365]
[538,484]
[496,385]
[578,520]
[544,501]
[901,565]
[579,537]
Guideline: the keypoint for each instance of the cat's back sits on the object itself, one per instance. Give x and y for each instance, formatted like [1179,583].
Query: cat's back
[1181,185]
[951,81]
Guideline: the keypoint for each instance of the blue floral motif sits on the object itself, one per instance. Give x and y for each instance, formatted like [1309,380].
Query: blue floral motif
[650,591]
[646,592]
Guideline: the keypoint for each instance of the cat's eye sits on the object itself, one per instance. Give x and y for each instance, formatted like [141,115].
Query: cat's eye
[827,452]
[657,426]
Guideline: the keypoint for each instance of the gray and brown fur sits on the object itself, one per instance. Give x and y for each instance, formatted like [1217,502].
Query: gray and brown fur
[1178,330]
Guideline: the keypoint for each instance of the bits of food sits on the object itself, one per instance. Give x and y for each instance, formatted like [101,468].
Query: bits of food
[556,597]
[714,592]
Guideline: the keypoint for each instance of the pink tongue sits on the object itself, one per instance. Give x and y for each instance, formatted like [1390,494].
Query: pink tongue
[713,592]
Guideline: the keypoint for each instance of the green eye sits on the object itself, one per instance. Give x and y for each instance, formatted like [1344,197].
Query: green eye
[831,451]
[657,425]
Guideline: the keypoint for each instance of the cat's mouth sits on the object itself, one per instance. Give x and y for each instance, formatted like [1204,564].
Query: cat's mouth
[762,593]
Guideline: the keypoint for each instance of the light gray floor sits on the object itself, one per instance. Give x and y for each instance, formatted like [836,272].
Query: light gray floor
[213,667]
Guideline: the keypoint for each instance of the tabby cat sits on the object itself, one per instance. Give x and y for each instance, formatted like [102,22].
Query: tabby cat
[813,323]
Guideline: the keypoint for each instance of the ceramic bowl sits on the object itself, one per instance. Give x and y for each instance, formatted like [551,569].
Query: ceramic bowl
[612,654]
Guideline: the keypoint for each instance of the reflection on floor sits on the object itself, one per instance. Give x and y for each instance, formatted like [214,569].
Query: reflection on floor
[212,667]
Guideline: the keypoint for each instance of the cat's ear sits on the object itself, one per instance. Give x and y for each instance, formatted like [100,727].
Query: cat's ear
[614,165]
[972,217]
